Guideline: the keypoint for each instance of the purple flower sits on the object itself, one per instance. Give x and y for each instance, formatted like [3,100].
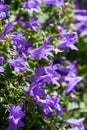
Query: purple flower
[33,23]
[80,15]
[42,75]
[36,90]
[58,3]
[77,123]
[68,40]
[15,116]
[67,75]
[3,9]
[1,60]
[44,51]
[20,42]
[20,19]
[32,5]
[72,82]
[51,103]
[37,74]
[50,76]
[7,28]
[18,63]
[81,21]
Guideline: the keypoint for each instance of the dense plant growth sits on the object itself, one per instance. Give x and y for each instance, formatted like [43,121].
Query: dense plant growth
[43,65]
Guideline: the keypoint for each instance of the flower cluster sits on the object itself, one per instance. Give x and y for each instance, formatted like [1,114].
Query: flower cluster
[23,49]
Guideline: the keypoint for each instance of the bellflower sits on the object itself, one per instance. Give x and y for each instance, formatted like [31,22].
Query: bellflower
[37,84]
[77,123]
[7,28]
[49,103]
[72,82]
[50,76]
[1,60]
[3,9]
[80,15]
[37,74]
[18,63]
[42,75]
[33,23]
[20,19]
[45,74]
[15,116]
[32,5]
[68,40]
[36,90]
[58,3]
[81,20]
[44,51]
[67,74]
[20,42]
[68,70]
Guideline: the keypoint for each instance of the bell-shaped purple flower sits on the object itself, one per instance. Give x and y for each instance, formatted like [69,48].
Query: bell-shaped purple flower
[18,63]
[33,23]
[68,39]
[15,116]
[1,60]
[44,51]
[77,123]
[32,5]
[49,104]
[7,28]
[20,42]
[3,9]
[58,3]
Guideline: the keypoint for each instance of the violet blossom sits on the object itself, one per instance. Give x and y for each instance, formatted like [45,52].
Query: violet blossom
[32,5]
[18,63]
[20,42]
[15,116]
[44,51]
[36,90]
[68,39]
[68,75]
[77,123]
[7,28]
[58,3]
[49,103]
[1,60]
[80,17]
[3,9]
[33,23]
[50,75]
